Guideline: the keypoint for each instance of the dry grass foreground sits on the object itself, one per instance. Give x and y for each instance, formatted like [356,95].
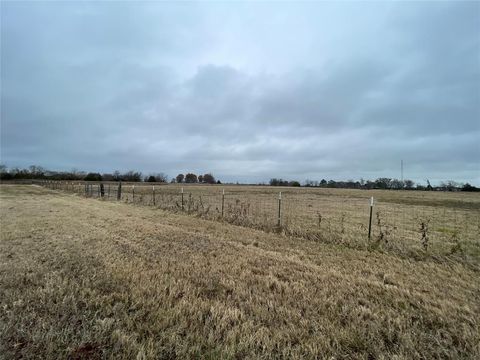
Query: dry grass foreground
[80,278]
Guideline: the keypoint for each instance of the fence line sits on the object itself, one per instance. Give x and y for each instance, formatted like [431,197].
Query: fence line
[352,221]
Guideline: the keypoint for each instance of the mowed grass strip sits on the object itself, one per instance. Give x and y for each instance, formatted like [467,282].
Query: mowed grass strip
[81,278]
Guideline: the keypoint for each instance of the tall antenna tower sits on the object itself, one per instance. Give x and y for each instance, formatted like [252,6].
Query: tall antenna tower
[401,169]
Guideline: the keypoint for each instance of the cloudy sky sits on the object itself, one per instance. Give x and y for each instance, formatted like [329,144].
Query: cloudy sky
[247,91]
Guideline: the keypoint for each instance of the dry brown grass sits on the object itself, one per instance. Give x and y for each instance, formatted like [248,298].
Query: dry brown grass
[329,215]
[81,278]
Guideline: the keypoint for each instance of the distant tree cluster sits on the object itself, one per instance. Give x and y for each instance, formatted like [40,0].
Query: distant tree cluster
[37,172]
[470,188]
[159,177]
[281,182]
[129,176]
[93,177]
[191,178]
[380,183]
[390,184]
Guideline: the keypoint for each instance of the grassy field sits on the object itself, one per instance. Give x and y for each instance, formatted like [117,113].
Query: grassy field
[81,278]
[449,221]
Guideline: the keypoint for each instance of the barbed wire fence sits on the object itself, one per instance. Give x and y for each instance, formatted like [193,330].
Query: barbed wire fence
[353,221]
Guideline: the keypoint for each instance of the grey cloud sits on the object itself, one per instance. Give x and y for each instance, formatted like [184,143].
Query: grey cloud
[307,91]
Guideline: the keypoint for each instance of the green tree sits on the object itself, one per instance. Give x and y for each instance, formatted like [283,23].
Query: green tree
[209,179]
[191,178]
[180,178]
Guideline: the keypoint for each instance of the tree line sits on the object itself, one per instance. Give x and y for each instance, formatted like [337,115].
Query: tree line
[38,172]
[191,178]
[380,183]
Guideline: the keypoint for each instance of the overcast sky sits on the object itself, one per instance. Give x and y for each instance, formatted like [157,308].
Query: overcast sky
[247,91]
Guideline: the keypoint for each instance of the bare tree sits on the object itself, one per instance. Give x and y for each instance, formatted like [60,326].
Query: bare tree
[161,177]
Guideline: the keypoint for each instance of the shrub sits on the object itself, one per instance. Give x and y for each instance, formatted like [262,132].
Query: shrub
[93,177]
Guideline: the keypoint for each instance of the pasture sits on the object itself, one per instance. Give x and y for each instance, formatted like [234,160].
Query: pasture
[100,278]
[407,223]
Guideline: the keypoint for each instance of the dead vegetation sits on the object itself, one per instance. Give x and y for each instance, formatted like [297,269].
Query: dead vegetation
[89,279]
[338,216]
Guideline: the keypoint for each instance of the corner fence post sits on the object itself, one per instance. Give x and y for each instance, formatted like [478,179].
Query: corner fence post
[182,198]
[119,192]
[279,221]
[223,200]
[370,220]
[153,194]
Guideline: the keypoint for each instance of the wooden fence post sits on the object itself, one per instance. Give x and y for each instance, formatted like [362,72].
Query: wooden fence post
[119,191]
[182,198]
[153,194]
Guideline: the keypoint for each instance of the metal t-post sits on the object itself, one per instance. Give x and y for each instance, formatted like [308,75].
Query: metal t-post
[223,200]
[279,222]
[370,219]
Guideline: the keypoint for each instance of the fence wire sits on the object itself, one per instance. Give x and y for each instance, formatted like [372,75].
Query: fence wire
[313,215]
